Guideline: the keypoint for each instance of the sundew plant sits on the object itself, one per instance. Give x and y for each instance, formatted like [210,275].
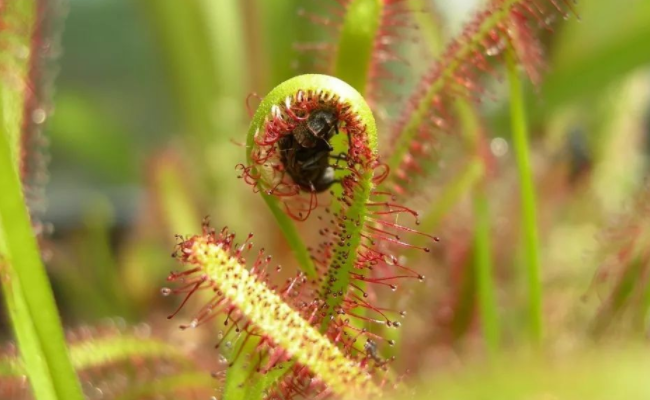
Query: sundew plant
[362,199]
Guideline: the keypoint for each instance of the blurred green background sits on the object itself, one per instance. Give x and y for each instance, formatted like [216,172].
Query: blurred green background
[150,113]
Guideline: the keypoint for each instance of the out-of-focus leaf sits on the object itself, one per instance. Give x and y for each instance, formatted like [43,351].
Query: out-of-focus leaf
[611,40]
[602,375]
[82,132]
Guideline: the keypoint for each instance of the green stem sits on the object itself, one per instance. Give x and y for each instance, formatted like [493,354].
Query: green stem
[28,341]
[520,136]
[29,296]
[238,385]
[27,292]
[342,264]
[291,234]
[357,41]
[353,64]
[483,269]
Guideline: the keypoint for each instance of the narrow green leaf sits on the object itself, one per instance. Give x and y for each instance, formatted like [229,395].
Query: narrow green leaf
[28,341]
[486,289]
[356,43]
[240,370]
[242,380]
[528,216]
[27,292]
[292,235]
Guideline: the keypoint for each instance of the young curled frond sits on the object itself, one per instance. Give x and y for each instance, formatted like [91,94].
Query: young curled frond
[310,134]
[299,126]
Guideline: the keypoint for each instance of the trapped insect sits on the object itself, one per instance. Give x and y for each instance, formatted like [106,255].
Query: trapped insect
[305,153]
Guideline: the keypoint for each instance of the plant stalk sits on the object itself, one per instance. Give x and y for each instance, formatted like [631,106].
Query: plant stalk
[28,294]
[483,269]
[520,135]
